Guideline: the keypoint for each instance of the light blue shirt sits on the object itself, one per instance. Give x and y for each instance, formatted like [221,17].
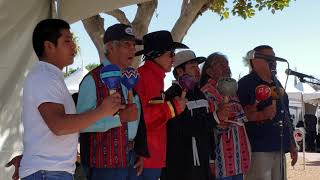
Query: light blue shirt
[87,101]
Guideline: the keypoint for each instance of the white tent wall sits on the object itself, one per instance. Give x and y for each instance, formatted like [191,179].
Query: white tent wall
[74,10]
[17,20]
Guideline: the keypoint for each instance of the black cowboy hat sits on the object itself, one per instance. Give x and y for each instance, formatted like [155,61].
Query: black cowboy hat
[160,41]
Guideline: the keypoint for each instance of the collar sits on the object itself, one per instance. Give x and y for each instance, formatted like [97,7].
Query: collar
[51,68]
[155,68]
[106,61]
[258,78]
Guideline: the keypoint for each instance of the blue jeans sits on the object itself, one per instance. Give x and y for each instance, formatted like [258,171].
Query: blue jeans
[236,177]
[109,173]
[128,173]
[49,175]
[150,174]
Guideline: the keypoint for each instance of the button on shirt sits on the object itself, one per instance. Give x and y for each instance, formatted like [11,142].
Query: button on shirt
[43,150]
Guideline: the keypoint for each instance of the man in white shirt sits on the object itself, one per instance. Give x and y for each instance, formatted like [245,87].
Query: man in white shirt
[48,112]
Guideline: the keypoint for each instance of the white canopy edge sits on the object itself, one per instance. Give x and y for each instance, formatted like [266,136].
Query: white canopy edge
[75,10]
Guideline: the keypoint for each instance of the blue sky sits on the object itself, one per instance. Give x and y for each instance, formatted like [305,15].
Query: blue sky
[294,33]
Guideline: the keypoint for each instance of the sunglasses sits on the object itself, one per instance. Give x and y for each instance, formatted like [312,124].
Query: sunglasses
[172,54]
[155,54]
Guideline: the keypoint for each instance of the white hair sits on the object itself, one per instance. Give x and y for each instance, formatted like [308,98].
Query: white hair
[246,59]
[113,43]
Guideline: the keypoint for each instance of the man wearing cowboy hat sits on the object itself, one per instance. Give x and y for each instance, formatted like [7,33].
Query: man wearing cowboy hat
[158,54]
[188,135]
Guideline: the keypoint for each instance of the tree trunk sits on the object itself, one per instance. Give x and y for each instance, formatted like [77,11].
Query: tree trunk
[95,29]
[141,23]
[190,10]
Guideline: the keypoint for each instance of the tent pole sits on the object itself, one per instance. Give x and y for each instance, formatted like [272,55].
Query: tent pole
[303,143]
[54,8]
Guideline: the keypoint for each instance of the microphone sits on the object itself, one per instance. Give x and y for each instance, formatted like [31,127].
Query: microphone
[299,75]
[253,55]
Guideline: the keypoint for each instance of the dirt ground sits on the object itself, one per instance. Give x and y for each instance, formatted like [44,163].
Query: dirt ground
[311,171]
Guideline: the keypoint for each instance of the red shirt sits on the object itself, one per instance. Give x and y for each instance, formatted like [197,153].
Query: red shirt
[156,115]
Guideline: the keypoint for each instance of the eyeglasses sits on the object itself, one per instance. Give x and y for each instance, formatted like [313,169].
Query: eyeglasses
[155,54]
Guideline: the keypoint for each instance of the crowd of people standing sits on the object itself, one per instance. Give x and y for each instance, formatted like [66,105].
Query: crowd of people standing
[206,126]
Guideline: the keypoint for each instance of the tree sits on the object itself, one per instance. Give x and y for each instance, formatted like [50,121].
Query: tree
[91,66]
[70,71]
[189,13]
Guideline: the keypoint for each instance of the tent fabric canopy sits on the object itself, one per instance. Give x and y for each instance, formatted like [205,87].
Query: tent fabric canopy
[304,87]
[75,10]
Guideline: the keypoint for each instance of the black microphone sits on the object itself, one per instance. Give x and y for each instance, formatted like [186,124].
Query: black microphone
[299,75]
[253,54]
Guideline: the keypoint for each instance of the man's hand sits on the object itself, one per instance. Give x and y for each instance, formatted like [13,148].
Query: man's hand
[182,103]
[294,155]
[128,114]
[270,111]
[258,116]
[139,165]
[16,163]
[111,104]
[223,112]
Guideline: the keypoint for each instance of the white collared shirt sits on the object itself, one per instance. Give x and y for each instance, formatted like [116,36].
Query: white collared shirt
[42,149]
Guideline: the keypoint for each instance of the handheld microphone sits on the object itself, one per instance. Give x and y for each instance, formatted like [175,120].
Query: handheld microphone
[299,75]
[253,55]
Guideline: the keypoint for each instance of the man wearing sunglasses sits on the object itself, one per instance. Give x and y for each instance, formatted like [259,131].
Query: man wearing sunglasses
[158,54]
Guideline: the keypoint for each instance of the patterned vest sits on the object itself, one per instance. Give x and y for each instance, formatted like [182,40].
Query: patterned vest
[107,149]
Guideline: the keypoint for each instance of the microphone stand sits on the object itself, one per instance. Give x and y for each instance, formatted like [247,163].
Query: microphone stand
[303,81]
[280,123]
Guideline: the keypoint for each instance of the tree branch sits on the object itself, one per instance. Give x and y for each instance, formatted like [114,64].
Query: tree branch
[95,28]
[143,17]
[189,13]
[142,21]
[183,6]
[119,15]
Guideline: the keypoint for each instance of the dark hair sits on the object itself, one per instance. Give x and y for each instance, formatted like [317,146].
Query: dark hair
[175,72]
[207,64]
[47,30]
[183,66]
[259,49]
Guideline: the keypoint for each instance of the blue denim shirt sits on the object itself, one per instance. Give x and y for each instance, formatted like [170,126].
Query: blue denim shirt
[87,100]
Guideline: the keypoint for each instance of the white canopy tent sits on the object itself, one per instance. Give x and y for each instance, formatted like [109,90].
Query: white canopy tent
[310,95]
[17,19]
[303,99]
[295,95]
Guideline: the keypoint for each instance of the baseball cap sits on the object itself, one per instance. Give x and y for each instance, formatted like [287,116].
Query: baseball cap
[118,32]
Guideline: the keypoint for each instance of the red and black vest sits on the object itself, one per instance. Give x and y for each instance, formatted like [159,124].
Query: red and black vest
[107,149]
